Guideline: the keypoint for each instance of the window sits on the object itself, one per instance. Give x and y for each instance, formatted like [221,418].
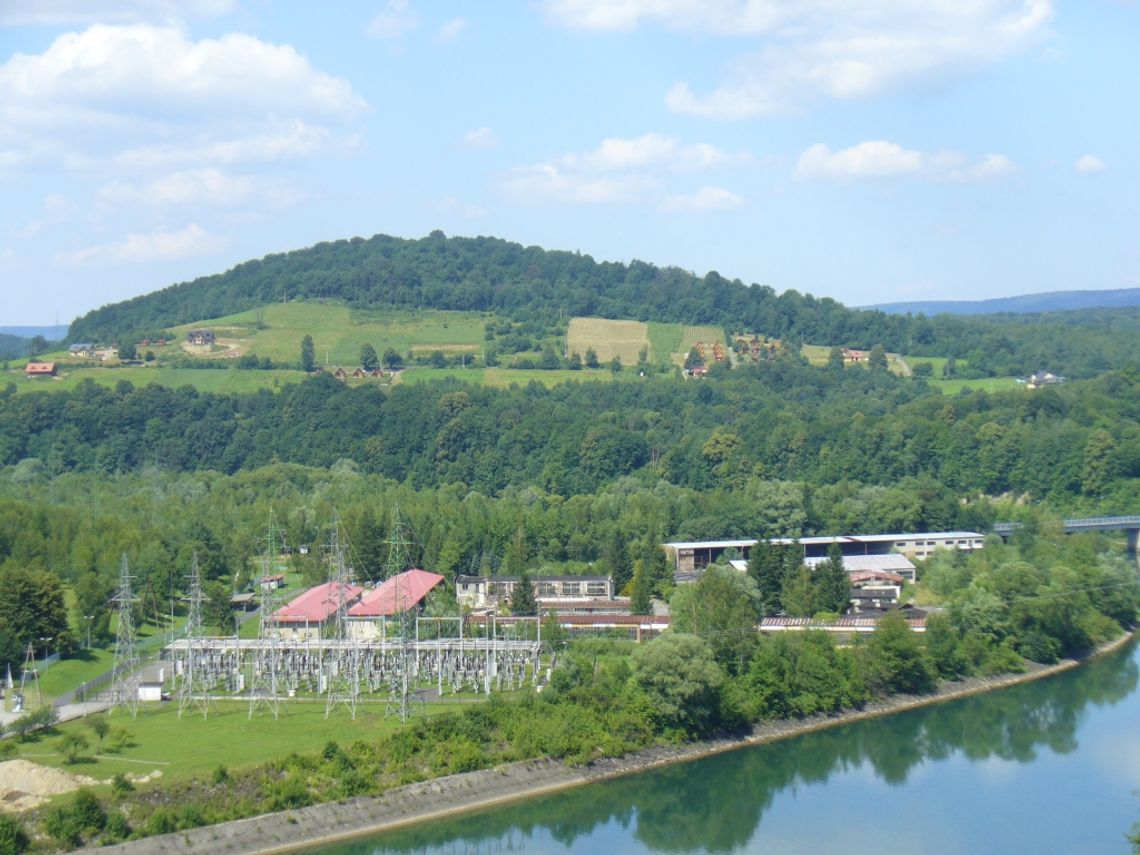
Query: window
[571,589]
[546,589]
[597,589]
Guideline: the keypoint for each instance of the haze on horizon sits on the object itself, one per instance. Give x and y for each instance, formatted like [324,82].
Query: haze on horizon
[909,151]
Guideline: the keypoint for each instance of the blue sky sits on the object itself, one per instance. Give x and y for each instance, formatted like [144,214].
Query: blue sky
[875,151]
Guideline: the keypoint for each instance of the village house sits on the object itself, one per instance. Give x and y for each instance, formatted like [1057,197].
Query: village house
[82,350]
[200,338]
[40,369]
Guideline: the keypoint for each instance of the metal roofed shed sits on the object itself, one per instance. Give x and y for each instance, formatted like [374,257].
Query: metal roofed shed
[397,594]
[316,605]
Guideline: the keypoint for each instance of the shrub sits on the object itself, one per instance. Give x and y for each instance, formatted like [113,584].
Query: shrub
[13,838]
[221,775]
[121,785]
[162,821]
[117,829]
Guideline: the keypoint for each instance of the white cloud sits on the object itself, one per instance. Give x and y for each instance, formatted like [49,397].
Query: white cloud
[108,72]
[143,95]
[457,207]
[71,12]
[451,30]
[57,209]
[1089,164]
[480,138]
[198,187]
[396,21]
[618,170]
[883,159]
[705,199]
[155,246]
[652,150]
[546,182]
[811,49]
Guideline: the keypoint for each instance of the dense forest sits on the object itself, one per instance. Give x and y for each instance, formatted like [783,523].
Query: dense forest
[776,421]
[530,283]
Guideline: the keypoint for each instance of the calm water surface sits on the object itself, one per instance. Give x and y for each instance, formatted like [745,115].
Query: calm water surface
[1052,766]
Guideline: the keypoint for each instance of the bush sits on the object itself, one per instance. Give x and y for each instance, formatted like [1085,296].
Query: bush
[13,838]
[121,785]
[117,829]
[221,775]
[162,821]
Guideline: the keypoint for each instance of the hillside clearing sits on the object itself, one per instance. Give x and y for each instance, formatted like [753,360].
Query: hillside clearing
[623,339]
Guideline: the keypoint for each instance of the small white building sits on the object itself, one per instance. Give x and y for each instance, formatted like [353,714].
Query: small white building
[151,680]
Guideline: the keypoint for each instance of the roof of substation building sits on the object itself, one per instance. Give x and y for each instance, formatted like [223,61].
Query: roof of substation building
[317,604]
[398,594]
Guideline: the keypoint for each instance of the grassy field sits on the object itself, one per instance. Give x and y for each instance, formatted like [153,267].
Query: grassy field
[624,339]
[339,332]
[195,746]
[691,335]
[204,380]
[664,341]
[988,384]
[502,377]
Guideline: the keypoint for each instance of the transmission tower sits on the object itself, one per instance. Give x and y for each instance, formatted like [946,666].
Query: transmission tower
[194,690]
[30,668]
[125,676]
[399,560]
[265,688]
[343,674]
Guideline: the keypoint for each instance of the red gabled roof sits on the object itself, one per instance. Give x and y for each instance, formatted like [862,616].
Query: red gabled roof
[316,604]
[40,368]
[398,594]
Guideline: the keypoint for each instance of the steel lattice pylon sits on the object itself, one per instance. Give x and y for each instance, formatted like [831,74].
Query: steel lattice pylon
[265,687]
[125,676]
[194,688]
[342,674]
[399,560]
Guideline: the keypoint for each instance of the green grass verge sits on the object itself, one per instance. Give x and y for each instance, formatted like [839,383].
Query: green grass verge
[195,746]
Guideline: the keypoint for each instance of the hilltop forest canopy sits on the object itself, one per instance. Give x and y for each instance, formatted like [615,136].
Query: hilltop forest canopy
[530,283]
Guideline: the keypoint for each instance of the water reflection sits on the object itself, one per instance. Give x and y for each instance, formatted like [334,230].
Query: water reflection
[716,805]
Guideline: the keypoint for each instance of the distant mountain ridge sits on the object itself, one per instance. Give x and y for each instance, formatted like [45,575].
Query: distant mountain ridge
[1050,301]
[54,333]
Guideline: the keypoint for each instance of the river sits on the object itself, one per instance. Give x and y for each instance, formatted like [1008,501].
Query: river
[1049,766]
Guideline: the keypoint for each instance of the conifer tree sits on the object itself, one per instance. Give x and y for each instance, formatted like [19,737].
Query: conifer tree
[522,600]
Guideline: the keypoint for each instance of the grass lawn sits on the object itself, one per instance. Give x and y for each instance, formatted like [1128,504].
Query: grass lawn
[338,332]
[195,746]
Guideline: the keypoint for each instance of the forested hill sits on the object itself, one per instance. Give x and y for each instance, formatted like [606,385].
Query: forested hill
[489,274]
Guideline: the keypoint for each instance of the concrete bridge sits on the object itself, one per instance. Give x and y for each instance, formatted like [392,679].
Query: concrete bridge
[1130,525]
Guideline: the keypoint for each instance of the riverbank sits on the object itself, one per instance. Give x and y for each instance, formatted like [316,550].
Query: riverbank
[295,830]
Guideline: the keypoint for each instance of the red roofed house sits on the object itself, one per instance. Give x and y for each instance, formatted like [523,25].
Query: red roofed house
[40,369]
[402,592]
[307,614]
